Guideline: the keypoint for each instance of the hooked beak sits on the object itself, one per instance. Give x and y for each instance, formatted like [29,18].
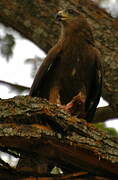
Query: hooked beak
[61,16]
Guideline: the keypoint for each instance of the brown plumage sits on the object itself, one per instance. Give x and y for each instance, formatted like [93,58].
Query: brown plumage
[71,73]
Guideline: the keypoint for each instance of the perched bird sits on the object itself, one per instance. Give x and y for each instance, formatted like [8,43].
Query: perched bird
[71,74]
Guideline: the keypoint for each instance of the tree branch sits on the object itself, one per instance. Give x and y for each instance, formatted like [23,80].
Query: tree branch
[104,113]
[39,130]
[15,87]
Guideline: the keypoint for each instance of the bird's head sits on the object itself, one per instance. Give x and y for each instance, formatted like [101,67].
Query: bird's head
[72,19]
[74,22]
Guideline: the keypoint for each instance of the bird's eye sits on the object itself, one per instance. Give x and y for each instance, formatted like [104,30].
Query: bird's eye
[70,11]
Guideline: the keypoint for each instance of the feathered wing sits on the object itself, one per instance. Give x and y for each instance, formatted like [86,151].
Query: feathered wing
[94,91]
[43,77]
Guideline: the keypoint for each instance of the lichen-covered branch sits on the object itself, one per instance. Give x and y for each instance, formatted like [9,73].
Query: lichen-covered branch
[39,131]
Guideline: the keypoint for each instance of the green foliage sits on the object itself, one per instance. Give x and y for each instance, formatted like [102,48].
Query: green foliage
[111,131]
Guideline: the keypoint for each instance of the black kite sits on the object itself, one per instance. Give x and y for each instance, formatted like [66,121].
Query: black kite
[71,73]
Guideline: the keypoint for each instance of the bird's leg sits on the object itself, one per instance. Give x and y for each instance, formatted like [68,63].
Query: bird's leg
[54,96]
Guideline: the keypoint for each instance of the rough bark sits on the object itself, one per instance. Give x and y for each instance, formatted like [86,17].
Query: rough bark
[45,135]
[35,21]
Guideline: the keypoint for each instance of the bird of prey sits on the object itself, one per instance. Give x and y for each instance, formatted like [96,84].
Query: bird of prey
[71,74]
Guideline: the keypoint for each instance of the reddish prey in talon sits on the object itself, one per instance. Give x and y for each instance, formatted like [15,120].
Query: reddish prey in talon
[76,106]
